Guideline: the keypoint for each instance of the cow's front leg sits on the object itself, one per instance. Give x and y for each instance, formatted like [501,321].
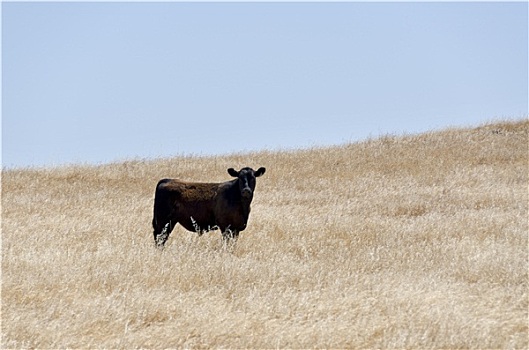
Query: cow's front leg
[230,236]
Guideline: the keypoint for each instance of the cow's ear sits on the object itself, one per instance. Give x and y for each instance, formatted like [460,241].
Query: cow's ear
[260,171]
[233,172]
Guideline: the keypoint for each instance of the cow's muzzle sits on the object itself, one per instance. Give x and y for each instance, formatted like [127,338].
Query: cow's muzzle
[246,193]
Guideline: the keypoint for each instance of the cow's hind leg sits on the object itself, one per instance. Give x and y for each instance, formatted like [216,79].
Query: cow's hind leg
[161,233]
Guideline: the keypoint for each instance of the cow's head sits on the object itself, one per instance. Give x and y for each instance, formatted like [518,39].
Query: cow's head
[246,181]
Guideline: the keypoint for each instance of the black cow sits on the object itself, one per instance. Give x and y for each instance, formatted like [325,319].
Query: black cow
[201,207]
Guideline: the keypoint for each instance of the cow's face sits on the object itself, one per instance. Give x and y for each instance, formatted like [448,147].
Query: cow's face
[246,181]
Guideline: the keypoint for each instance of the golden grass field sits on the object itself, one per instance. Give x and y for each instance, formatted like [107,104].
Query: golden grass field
[415,241]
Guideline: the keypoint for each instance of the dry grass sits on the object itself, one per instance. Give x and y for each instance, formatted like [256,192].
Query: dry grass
[398,242]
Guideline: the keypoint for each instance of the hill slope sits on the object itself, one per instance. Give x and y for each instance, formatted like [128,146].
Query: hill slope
[415,241]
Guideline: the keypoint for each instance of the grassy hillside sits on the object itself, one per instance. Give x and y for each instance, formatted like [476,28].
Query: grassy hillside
[416,241]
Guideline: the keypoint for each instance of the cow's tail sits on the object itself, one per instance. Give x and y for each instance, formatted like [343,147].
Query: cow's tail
[161,221]
[158,208]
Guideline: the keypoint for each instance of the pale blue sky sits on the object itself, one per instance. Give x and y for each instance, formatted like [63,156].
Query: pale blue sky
[100,82]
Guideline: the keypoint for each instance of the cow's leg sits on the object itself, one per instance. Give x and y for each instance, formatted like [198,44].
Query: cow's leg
[161,233]
[229,236]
